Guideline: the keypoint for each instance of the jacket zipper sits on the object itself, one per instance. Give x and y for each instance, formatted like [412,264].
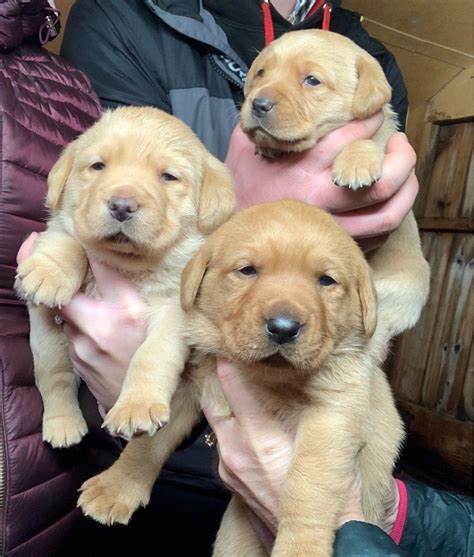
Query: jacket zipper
[222,73]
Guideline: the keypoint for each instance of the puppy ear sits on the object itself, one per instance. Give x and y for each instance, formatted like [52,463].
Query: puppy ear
[192,276]
[373,89]
[217,198]
[58,176]
[368,300]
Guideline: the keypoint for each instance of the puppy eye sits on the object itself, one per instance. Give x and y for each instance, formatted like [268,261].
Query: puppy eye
[326,280]
[260,73]
[248,271]
[311,80]
[97,166]
[167,177]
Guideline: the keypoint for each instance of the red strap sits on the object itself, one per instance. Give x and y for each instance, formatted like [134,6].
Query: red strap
[327,9]
[267,22]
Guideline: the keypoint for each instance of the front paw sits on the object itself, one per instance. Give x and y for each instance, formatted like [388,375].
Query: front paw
[358,165]
[135,414]
[41,280]
[110,498]
[64,431]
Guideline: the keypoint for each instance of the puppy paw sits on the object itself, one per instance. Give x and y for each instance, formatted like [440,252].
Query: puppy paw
[110,498]
[134,415]
[64,431]
[41,280]
[358,165]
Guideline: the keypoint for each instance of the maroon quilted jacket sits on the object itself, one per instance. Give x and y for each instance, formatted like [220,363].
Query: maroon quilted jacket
[44,104]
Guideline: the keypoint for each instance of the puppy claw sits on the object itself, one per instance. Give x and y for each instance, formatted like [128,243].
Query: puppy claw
[64,431]
[105,499]
[132,418]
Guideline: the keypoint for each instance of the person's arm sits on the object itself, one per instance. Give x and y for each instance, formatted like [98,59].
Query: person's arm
[100,40]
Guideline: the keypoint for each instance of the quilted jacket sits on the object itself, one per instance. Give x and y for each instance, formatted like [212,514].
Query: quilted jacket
[44,104]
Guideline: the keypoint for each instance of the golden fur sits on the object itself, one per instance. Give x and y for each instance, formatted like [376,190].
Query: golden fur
[324,382]
[352,85]
[176,193]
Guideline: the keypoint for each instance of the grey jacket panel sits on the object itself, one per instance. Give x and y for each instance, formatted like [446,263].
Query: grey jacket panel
[211,118]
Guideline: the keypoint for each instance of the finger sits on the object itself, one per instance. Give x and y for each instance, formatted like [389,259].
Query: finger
[83,313]
[27,247]
[382,218]
[244,405]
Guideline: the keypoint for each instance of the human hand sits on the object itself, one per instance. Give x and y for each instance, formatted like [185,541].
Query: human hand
[104,333]
[255,453]
[368,213]
[254,449]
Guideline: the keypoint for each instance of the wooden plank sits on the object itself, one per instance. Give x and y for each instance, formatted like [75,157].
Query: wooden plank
[414,44]
[457,224]
[424,165]
[437,448]
[468,395]
[450,169]
[413,347]
[455,100]
[445,23]
[451,339]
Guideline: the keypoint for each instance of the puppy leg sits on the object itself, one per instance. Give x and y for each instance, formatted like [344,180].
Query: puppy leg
[317,484]
[54,272]
[377,459]
[358,165]
[152,378]
[402,279]
[114,495]
[236,536]
[63,423]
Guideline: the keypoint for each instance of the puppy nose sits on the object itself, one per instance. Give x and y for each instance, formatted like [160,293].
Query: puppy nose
[122,208]
[261,106]
[282,329]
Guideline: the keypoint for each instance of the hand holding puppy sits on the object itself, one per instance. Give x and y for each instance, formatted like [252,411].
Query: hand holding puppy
[104,334]
[367,213]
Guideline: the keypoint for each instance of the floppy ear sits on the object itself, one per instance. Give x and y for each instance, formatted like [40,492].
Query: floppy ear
[192,276]
[58,176]
[373,89]
[217,197]
[368,300]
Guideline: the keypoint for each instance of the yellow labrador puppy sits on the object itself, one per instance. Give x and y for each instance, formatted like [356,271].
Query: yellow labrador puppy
[139,192]
[295,307]
[308,83]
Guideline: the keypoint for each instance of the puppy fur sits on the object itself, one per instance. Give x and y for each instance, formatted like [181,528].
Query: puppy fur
[139,192]
[322,382]
[306,84]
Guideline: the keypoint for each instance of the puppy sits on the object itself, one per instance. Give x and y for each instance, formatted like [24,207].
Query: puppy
[306,84]
[138,191]
[294,306]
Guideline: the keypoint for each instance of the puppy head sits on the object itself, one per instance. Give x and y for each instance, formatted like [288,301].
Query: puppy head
[306,84]
[279,284]
[137,181]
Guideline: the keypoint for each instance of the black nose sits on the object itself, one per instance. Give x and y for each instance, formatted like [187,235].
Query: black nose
[261,106]
[282,329]
[122,208]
